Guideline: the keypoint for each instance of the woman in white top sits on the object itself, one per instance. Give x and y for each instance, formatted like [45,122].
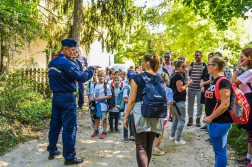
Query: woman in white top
[244,82]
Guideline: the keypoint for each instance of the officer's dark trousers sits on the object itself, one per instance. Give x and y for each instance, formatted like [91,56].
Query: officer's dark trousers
[81,94]
[64,113]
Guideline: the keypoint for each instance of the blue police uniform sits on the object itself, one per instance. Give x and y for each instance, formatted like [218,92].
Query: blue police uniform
[63,75]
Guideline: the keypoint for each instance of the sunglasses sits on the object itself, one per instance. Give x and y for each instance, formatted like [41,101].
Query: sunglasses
[196,55]
[183,66]
[211,64]
[167,57]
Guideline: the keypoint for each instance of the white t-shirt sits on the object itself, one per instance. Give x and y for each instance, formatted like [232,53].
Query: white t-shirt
[125,82]
[115,109]
[125,94]
[98,91]
[245,78]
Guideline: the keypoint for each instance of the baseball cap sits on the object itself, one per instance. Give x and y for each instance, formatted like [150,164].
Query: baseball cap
[130,74]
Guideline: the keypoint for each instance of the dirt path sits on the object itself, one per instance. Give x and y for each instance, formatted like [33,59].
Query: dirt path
[113,152]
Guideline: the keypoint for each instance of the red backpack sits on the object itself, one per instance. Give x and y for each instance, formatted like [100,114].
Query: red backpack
[239,108]
[112,84]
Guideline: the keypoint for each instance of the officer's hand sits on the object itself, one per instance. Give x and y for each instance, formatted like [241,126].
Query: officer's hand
[96,66]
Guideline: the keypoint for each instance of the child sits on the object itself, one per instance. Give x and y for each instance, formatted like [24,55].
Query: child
[126,95]
[169,95]
[117,73]
[123,77]
[107,74]
[90,85]
[101,92]
[111,76]
[113,110]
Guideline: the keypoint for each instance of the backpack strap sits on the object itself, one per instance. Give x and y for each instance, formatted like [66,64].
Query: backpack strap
[105,88]
[121,84]
[89,85]
[112,83]
[217,92]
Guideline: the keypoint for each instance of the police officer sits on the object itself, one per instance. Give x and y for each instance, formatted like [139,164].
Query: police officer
[63,74]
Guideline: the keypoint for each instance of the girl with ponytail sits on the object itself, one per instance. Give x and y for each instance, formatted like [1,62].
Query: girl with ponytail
[145,129]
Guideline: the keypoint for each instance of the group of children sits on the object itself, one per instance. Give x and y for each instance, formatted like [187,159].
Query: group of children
[104,90]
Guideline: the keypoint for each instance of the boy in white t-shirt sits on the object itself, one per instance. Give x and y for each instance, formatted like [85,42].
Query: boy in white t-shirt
[126,95]
[123,78]
[101,92]
[90,86]
[113,110]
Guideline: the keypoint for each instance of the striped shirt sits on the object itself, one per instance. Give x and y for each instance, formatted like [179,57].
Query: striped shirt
[196,74]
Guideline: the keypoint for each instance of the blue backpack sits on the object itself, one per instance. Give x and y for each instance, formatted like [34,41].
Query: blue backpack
[119,102]
[154,101]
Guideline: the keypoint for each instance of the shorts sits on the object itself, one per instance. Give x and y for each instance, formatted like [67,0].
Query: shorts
[104,115]
[249,134]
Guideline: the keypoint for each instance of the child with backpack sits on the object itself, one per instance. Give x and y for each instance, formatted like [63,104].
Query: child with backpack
[218,118]
[126,95]
[245,84]
[113,110]
[123,78]
[90,86]
[169,95]
[101,92]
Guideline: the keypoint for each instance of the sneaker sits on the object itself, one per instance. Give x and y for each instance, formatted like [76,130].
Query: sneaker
[170,119]
[198,122]
[244,160]
[248,165]
[92,125]
[203,128]
[132,138]
[112,130]
[190,121]
[117,130]
[126,140]
[120,122]
[171,138]
[104,134]
[181,142]
[158,152]
[162,150]
[95,133]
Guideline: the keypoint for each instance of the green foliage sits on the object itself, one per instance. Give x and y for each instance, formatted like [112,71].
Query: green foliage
[19,21]
[20,108]
[221,12]
[237,139]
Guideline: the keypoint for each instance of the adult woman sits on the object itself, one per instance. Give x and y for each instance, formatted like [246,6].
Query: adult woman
[178,87]
[219,121]
[244,81]
[145,129]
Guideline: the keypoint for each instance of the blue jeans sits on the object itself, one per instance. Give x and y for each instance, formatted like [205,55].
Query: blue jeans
[218,134]
[125,131]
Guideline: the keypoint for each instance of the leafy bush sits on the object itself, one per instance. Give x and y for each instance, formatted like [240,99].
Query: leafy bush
[237,139]
[21,109]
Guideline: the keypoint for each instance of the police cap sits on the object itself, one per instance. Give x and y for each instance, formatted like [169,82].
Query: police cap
[69,42]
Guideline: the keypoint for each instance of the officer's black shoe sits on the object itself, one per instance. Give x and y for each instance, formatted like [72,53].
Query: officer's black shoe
[52,156]
[73,161]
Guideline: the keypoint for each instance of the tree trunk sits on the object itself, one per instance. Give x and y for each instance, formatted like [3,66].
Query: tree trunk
[77,20]
[3,55]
